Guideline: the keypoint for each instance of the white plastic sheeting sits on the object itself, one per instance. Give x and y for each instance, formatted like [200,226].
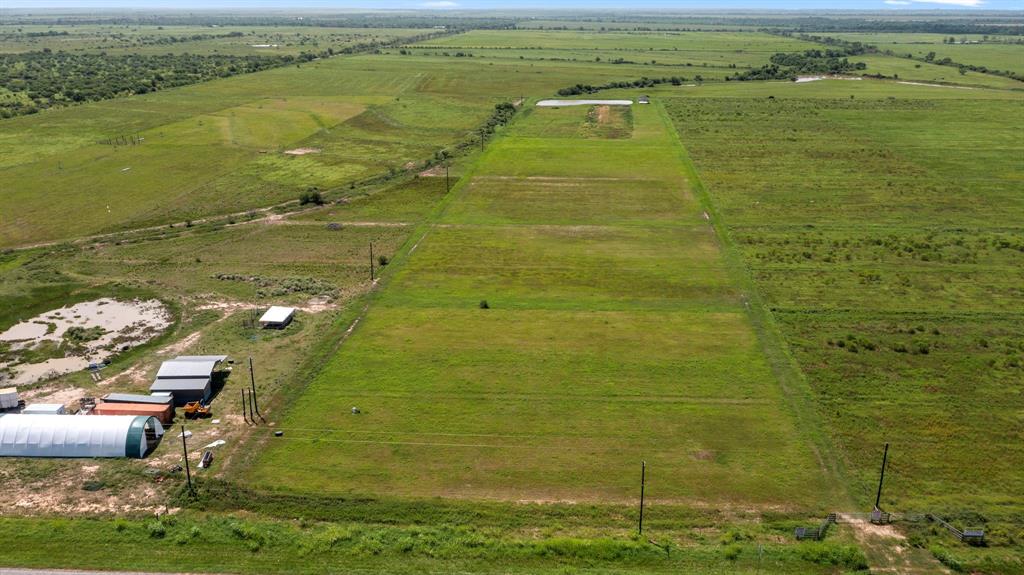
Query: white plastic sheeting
[76,435]
[560,103]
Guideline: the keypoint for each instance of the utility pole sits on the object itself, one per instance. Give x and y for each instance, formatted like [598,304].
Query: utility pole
[643,481]
[881,476]
[447,182]
[371,261]
[188,470]
[252,378]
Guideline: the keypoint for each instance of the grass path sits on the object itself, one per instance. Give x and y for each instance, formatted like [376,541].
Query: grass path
[791,379]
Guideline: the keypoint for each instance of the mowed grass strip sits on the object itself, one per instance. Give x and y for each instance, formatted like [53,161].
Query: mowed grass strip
[613,336]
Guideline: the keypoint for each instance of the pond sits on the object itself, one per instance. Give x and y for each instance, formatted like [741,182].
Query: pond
[70,338]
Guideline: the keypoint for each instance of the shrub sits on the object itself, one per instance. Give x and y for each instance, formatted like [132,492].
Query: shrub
[311,196]
[732,552]
[383,260]
[847,556]
[946,558]
[484,304]
[157,530]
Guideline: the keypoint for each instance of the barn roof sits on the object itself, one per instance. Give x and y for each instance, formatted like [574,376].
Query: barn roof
[277,314]
[186,368]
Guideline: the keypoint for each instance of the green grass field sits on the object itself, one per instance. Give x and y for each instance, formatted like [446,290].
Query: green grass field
[218,147]
[750,286]
[979,51]
[615,335]
[893,264]
[153,39]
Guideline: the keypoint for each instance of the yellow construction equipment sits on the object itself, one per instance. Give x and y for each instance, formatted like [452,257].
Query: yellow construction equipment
[195,409]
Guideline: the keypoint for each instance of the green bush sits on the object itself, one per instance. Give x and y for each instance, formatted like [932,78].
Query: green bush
[311,196]
[846,556]
[946,558]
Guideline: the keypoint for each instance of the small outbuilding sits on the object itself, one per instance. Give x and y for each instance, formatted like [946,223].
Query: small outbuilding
[73,436]
[187,377]
[44,409]
[163,412]
[643,100]
[277,317]
[9,398]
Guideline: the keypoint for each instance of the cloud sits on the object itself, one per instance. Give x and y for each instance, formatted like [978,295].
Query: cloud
[897,3]
[439,4]
[965,3]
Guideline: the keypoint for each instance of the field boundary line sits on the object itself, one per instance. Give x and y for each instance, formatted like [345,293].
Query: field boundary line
[795,388]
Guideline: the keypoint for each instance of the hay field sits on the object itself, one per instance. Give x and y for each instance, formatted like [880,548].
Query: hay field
[614,334]
[894,266]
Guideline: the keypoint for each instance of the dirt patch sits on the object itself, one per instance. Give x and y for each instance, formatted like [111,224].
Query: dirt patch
[604,114]
[433,172]
[704,455]
[302,151]
[80,335]
[887,549]
[51,395]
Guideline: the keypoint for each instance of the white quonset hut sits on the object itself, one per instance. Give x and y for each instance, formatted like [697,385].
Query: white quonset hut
[78,436]
[187,377]
[277,317]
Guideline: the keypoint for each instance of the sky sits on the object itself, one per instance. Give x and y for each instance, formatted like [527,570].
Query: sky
[673,5]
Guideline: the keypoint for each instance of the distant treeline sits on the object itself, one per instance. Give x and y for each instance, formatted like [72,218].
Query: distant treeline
[45,79]
[787,66]
[1004,23]
[315,20]
[56,78]
[644,82]
[1008,26]
[856,48]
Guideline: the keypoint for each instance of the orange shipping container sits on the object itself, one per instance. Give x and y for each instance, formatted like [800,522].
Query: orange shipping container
[165,413]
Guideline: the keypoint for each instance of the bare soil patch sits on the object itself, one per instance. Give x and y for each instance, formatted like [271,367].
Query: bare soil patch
[302,151]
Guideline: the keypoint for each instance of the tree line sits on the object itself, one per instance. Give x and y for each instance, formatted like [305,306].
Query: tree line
[58,78]
[644,82]
[857,48]
[45,79]
[787,66]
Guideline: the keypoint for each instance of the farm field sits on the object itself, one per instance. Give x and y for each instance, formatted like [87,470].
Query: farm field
[978,50]
[749,287]
[603,321]
[163,39]
[711,54]
[218,147]
[897,287]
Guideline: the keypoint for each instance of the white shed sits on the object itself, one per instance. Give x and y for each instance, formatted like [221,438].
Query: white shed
[73,436]
[277,317]
[9,398]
